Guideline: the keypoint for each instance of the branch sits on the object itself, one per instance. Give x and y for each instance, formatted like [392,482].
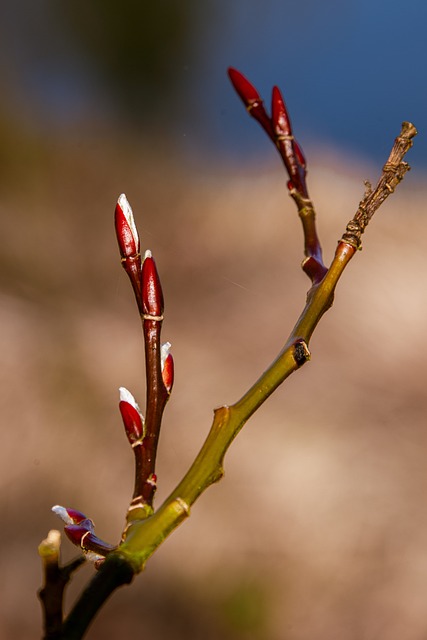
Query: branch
[56,579]
[146,530]
[114,573]
[157,395]
[143,538]
[149,297]
[393,172]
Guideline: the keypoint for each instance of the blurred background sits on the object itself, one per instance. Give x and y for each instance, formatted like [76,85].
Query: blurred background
[99,99]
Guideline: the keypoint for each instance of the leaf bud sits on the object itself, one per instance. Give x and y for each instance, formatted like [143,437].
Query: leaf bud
[69,516]
[132,418]
[167,366]
[244,88]
[152,295]
[127,234]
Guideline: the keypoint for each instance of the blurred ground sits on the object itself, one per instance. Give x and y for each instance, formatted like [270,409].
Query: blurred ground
[318,528]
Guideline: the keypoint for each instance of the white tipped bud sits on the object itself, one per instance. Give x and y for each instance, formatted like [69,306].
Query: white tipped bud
[166,362]
[126,396]
[148,254]
[63,514]
[164,352]
[128,213]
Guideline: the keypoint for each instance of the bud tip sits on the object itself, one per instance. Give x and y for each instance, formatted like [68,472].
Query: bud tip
[126,230]
[126,396]
[164,352]
[62,513]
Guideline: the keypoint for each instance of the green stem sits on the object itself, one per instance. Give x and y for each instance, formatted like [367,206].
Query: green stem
[143,537]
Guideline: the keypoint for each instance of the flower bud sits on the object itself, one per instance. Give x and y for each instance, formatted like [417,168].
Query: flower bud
[69,516]
[251,99]
[279,115]
[167,366]
[127,234]
[80,531]
[152,295]
[132,418]
[244,88]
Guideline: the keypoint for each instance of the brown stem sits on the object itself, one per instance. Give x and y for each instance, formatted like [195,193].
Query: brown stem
[157,397]
[393,172]
[151,306]
[56,578]
[145,450]
[114,573]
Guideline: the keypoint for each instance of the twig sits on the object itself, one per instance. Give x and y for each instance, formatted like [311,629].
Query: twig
[56,579]
[156,393]
[146,530]
[115,572]
[279,130]
[149,297]
[143,538]
[393,172]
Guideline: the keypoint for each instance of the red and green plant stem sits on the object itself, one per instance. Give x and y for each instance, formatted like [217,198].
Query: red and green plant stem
[143,538]
[144,534]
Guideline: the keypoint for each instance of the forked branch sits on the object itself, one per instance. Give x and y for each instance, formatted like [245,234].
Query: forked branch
[145,528]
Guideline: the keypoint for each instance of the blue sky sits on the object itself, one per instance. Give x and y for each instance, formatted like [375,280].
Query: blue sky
[350,71]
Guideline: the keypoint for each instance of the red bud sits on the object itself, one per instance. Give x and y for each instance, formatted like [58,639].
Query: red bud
[76,516]
[69,516]
[132,418]
[79,530]
[279,114]
[244,88]
[127,234]
[152,295]
[167,366]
